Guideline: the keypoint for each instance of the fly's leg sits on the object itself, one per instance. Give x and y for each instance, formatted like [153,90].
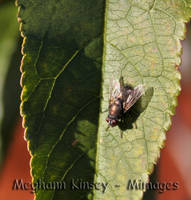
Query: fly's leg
[105,111]
[121,83]
[121,133]
[107,128]
[122,118]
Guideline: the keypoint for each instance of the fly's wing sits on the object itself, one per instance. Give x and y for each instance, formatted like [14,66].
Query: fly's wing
[132,97]
[114,91]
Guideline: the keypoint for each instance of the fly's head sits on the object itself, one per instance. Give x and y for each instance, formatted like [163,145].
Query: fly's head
[112,121]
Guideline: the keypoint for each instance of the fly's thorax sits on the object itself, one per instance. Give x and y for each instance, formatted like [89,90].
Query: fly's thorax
[115,109]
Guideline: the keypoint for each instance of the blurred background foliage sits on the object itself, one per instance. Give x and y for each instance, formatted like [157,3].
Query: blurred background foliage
[10,58]
[175,161]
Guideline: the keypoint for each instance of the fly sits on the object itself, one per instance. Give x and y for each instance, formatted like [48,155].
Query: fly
[121,99]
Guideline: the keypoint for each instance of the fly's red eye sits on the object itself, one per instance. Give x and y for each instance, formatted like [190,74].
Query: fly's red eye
[114,122]
[111,122]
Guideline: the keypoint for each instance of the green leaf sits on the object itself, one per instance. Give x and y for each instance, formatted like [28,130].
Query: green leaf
[8,42]
[142,43]
[63,70]
[61,87]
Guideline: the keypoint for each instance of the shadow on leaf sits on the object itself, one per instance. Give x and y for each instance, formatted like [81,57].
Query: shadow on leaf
[130,117]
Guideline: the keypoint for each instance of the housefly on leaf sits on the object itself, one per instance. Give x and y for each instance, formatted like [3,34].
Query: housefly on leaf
[121,99]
